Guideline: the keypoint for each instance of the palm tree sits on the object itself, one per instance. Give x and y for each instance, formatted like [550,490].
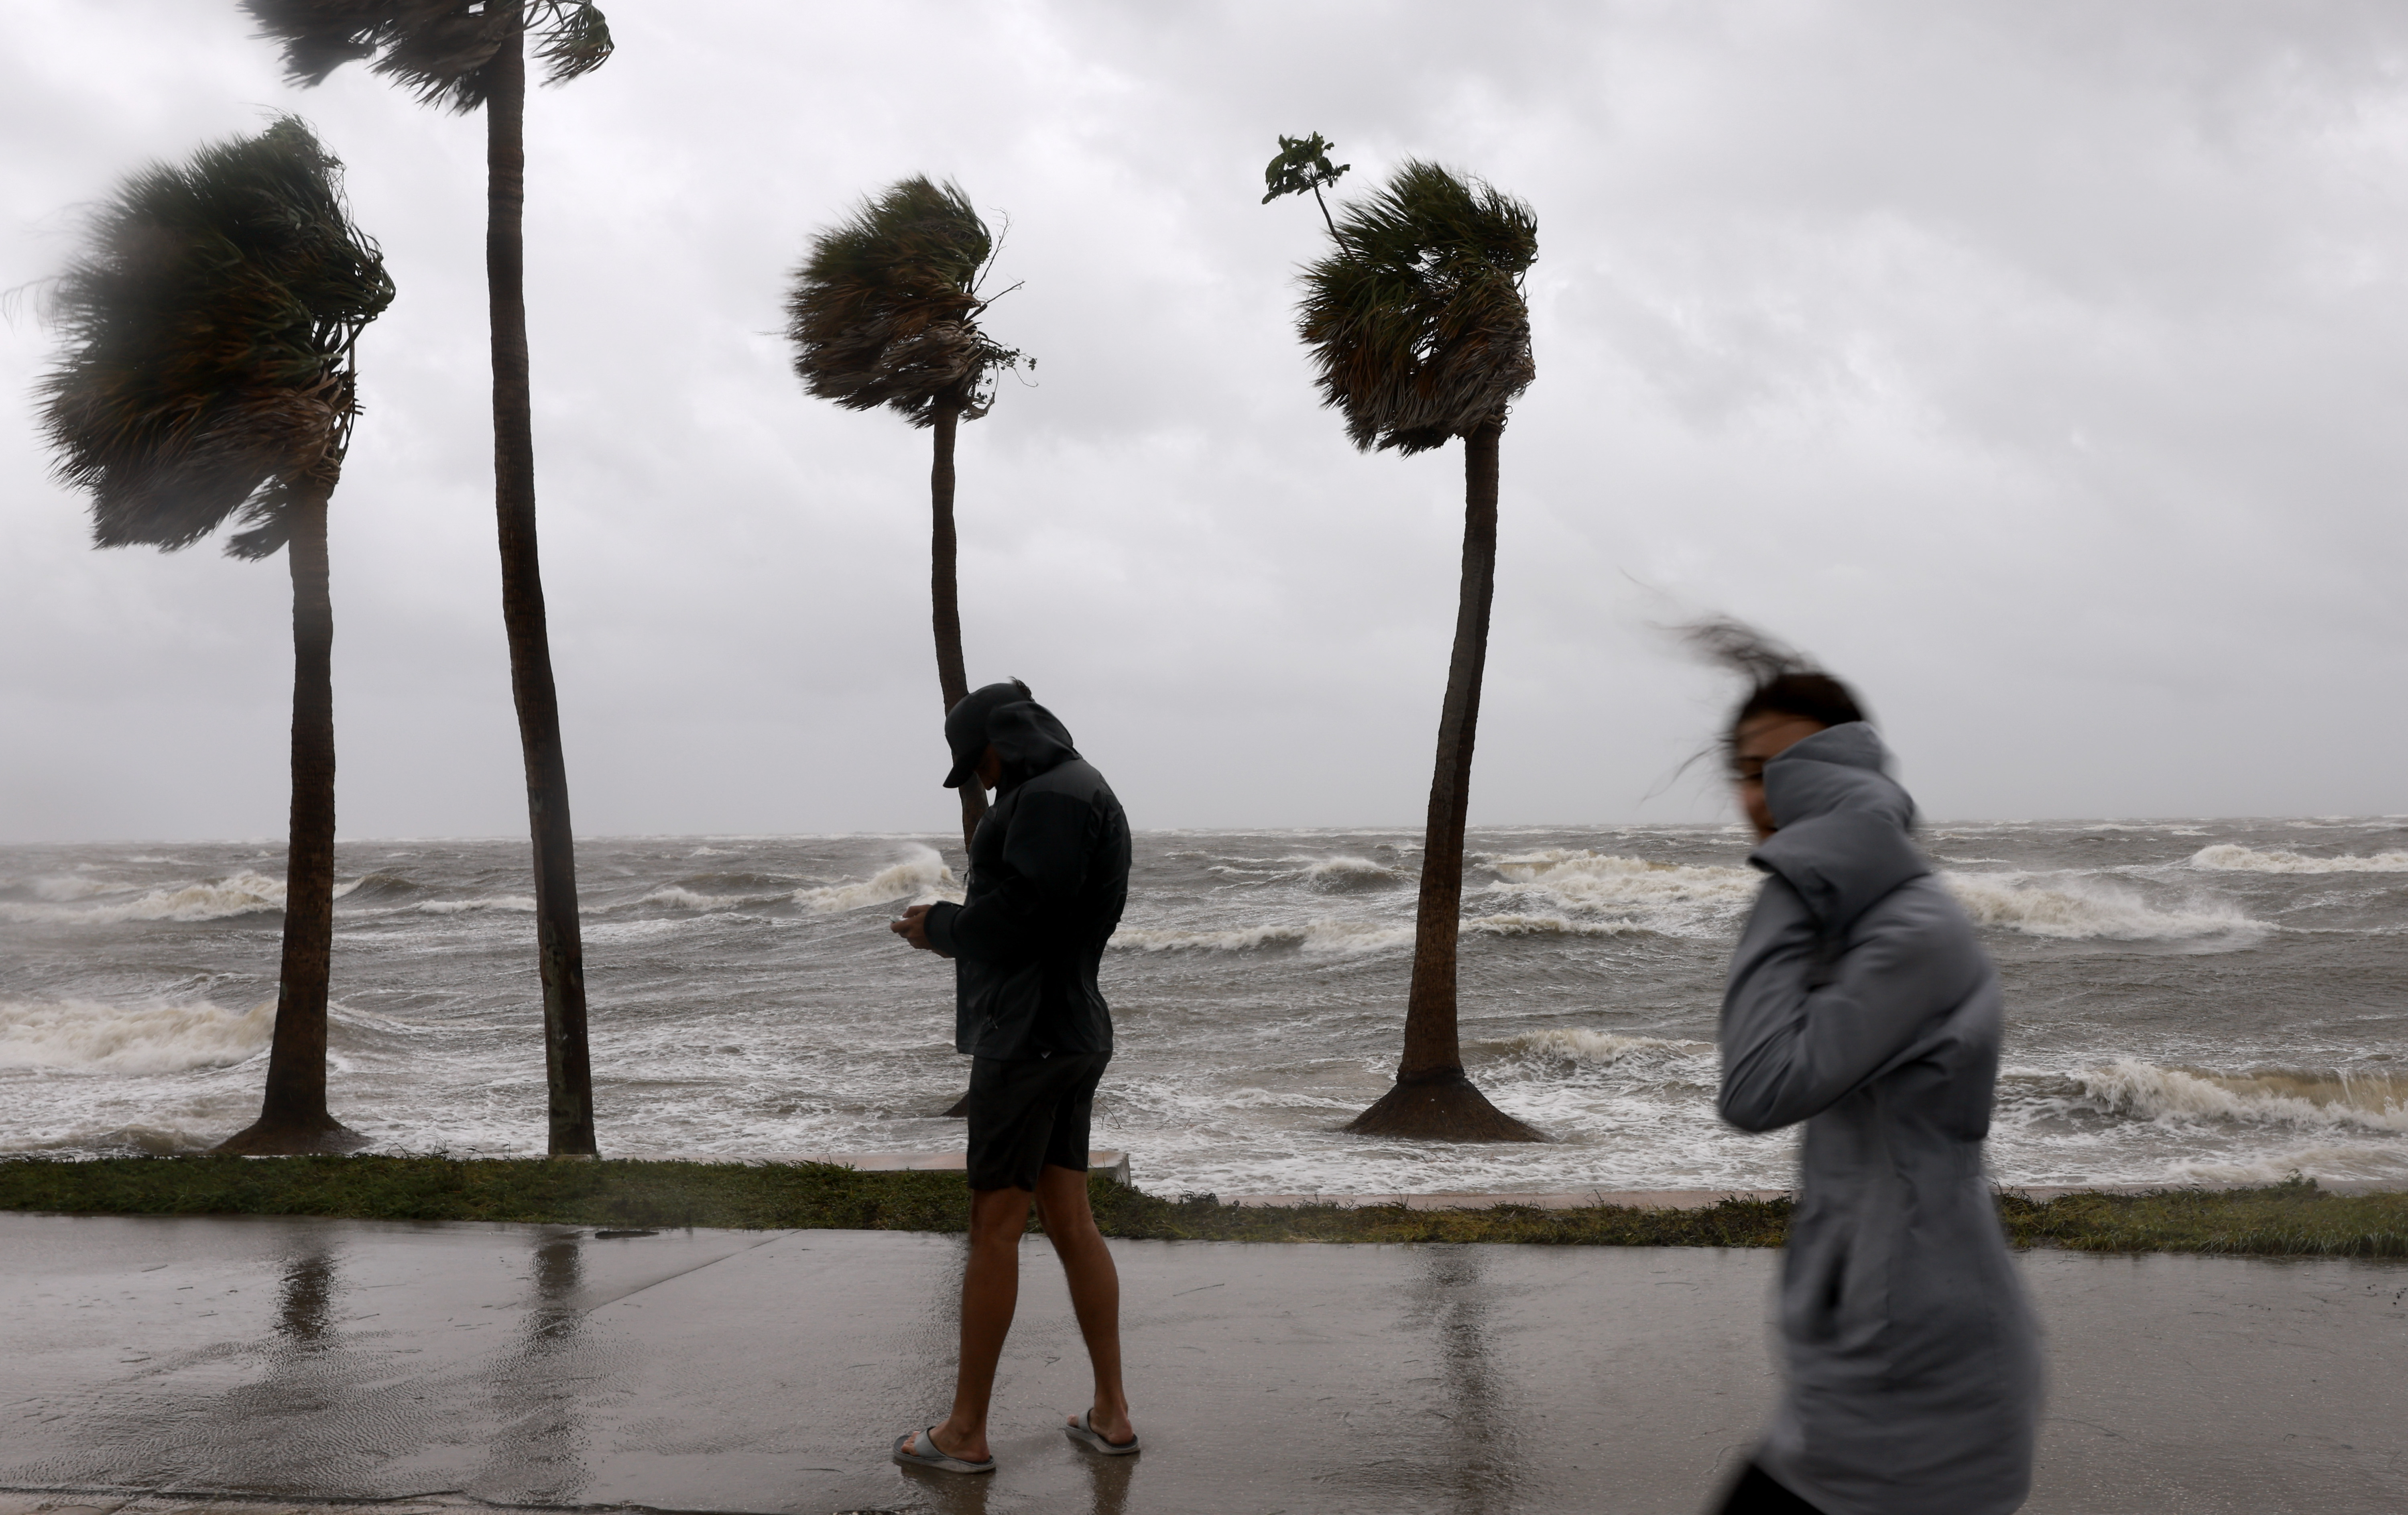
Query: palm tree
[467,54]
[1303,166]
[884,312]
[209,376]
[1417,330]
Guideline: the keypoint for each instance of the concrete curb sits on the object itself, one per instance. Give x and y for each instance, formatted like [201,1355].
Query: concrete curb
[124,1502]
[1113,1166]
[1699,1198]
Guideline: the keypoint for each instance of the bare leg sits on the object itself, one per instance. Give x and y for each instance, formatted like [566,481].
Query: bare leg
[1095,1290]
[990,1294]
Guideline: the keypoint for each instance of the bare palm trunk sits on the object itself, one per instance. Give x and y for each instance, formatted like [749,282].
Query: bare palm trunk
[944,595]
[1432,1098]
[559,945]
[293,1114]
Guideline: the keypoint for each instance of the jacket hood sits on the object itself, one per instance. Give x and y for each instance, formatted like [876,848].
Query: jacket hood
[1841,842]
[965,726]
[1031,739]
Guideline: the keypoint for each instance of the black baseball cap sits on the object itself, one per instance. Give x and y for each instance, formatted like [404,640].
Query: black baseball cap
[965,726]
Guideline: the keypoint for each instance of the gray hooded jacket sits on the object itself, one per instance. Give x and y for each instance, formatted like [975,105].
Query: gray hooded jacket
[1860,1003]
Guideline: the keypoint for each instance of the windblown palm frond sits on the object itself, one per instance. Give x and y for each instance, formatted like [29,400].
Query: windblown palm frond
[1415,321]
[439,50]
[884,310]
[209,325]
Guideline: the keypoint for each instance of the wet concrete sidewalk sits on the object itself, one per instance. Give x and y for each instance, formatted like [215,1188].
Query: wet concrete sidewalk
[525,1366]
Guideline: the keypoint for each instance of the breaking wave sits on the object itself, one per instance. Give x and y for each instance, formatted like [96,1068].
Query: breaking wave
[1330,935]
[1550,925]
[208,899]
[2231,858]
[154,1037]
[2086,909]
[1339,875]
[677,897]
[1600,880]
[522,902]
[921,877]
[374,887]
[2146,1091]
[717,891]
[1602,1048]
[1316,936]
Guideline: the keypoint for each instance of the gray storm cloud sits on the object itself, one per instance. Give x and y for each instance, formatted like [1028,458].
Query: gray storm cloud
[2038,367]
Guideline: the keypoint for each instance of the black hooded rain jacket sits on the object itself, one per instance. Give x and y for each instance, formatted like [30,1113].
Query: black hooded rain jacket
[1048,880]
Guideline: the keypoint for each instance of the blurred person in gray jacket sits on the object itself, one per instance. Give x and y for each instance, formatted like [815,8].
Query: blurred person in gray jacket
[1860,1003]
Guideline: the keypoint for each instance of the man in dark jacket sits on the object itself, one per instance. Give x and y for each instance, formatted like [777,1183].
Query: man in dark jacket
[1048,878]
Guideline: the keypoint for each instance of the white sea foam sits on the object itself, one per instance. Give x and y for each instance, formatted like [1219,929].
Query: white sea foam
[680,898]
[521,903]
[1342,871]
[208,900]
[1331,935]
[150,1141]
[921,876]
[2084,909]
[2231,858]
[1508,925]
[1602,1047]
[1327,936]
[2324,1160]
[2146,1091]
[1598,880]
[149,1036]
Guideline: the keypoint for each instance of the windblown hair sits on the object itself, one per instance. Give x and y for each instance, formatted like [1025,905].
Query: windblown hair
[437,50]
[884,310]
[1781,681]
[210,322]
[1415,320]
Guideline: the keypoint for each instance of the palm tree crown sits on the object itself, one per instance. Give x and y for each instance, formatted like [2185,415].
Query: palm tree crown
[209,328]
[884,310]
[1415,322]
[439,50]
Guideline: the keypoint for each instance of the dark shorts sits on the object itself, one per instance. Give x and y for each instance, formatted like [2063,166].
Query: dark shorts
[1027,1113]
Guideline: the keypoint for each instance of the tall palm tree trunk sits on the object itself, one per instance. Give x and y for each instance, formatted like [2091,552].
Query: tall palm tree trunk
[292,1116]
[945,597]
[1432,1098]
[560,948]
[944,594]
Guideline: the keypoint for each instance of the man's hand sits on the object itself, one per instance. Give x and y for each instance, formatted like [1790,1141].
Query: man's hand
[914,928]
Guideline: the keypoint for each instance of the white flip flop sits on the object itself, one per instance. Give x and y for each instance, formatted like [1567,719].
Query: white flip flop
[1085,1433]
[935,1456]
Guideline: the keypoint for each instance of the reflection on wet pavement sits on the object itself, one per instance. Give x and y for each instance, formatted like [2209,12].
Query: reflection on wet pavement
[308,1288]
[1476,1448]
[745,1372]
[537,1386]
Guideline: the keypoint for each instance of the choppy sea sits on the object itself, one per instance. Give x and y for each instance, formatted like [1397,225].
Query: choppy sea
[2188,1000]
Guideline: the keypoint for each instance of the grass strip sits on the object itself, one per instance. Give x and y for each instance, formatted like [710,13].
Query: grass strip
[2289,1220]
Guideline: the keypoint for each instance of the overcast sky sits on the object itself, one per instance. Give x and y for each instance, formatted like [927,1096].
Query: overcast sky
[2041,367]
